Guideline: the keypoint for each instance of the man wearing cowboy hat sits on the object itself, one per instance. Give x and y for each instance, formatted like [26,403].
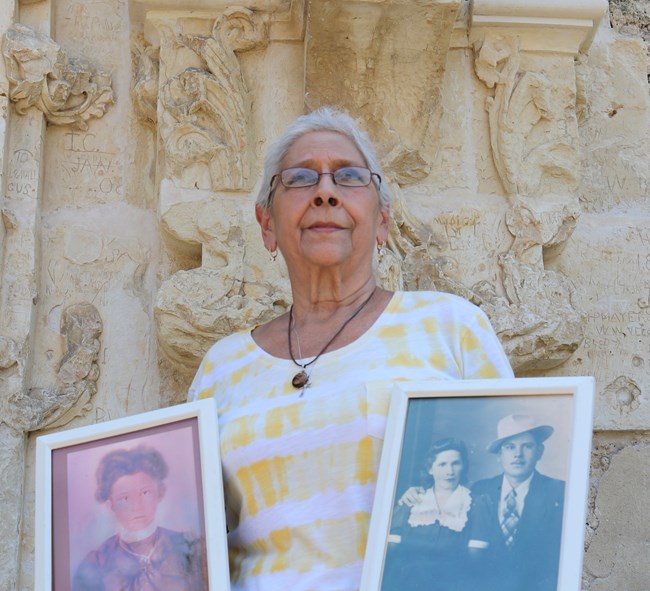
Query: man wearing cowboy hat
[524,510]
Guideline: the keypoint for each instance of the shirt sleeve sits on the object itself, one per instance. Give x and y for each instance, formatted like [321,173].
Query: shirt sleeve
[482,355]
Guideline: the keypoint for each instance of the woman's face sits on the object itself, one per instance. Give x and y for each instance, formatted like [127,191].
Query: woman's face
[134,500]
[447,469]
[326,224]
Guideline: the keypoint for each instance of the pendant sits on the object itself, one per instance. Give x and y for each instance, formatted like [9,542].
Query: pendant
[300,380]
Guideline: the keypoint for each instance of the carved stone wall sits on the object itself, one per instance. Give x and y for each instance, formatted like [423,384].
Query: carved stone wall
[515,135]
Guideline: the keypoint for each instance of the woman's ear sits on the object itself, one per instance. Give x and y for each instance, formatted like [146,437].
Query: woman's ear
[264,219]
[384,225]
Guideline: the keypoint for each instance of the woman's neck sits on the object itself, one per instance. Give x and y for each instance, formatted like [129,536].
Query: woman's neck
[442,495]
[322,306]
[322,301]
[130,536]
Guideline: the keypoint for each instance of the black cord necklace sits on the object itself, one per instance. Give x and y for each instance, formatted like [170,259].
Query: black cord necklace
[301,379]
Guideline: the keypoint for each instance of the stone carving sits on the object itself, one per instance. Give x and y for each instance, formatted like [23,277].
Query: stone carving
[537,317]
[39,408]
[387,68]
[8,352]
[78,373]
[522,102]
[67,91]
[623,393]
[145,88]
[534,310]
[229,292]
[206,113]
[403,262]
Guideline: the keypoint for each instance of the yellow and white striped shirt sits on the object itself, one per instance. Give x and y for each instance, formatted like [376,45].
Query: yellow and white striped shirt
[300,472]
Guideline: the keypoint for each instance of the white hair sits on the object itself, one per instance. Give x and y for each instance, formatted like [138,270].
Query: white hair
[322,119]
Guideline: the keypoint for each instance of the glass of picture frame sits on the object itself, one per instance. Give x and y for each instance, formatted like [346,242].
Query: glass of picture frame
[133,499]
[438,530]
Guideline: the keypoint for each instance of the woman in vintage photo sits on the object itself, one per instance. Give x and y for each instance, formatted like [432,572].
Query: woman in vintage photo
[300,435]
[142,555]
[439,530]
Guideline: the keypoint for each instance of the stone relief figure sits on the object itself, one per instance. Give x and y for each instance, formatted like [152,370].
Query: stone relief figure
[523,102]
[205,115]
[234,287]
[407,250]
[67,91]
[145,88]
[534,310]
[24,410]
[38,408]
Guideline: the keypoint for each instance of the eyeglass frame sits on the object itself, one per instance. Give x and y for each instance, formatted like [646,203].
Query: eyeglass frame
[320,174]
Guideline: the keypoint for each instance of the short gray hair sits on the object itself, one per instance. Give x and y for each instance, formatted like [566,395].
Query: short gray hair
[322,119]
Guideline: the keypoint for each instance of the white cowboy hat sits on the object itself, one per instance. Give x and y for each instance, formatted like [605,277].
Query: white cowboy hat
[515,425]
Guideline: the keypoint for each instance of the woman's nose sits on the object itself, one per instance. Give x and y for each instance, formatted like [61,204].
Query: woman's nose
[326,191]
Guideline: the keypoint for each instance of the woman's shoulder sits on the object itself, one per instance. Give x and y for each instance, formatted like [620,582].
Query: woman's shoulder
[230,345]
[438,300]
[220,359]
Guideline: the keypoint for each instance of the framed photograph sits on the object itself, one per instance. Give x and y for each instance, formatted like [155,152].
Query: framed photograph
[133,503]
[482,486]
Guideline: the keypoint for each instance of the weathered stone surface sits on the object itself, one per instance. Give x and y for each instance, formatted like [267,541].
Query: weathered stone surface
[617,554]
[616,347]
[234,288]
[632,17]
[384,61]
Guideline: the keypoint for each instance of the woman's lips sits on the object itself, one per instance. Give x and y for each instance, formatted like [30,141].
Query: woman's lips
[324,227]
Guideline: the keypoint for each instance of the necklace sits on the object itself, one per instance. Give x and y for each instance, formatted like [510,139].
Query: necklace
[145,559]
[301,379]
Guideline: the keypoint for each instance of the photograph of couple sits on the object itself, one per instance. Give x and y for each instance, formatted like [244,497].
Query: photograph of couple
[480,495]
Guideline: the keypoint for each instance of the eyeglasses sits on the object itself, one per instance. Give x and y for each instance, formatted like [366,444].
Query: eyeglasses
[348,176]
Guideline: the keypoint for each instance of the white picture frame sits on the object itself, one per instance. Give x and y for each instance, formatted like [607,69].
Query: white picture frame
[72,521]
[471,409]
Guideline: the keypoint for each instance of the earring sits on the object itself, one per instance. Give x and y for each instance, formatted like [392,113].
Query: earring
[380,248]
[274,254]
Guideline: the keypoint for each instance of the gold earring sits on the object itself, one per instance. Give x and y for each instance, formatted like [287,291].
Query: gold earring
[274,254]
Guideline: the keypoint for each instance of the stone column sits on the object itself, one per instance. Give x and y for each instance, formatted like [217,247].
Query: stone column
[41,84]
[525,55]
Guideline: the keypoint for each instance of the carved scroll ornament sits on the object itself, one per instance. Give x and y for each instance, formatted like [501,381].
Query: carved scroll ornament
[67,91]
[522,101]
[206,113]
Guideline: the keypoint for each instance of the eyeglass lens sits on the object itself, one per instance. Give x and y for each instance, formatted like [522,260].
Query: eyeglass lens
[348,176]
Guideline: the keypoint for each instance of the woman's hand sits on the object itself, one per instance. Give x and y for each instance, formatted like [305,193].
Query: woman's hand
[412,496]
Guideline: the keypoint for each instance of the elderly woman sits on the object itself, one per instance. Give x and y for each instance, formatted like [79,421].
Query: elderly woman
[301,435]
[141,556]
[437,530]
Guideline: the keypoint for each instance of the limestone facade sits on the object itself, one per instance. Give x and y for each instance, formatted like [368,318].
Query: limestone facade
[515,135]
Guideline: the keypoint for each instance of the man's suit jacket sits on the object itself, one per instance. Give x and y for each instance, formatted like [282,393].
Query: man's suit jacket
[531,562]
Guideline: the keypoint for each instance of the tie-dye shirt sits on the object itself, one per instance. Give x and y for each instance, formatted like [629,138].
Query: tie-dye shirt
[300,471]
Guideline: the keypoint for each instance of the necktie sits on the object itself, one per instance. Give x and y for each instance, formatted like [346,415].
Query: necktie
[510,520]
